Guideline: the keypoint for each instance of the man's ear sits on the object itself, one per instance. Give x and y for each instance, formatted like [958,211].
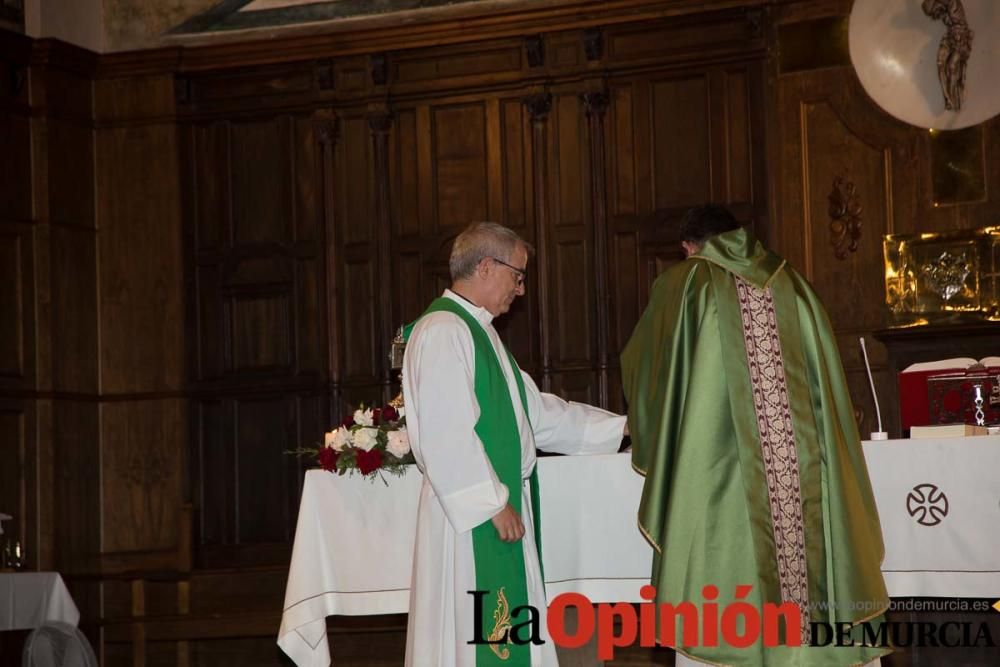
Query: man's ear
[483,268]
[690,248]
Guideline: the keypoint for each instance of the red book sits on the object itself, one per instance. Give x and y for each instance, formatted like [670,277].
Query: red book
[946,392]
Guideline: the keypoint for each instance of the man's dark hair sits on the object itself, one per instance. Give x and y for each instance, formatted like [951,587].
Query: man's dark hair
[701,223]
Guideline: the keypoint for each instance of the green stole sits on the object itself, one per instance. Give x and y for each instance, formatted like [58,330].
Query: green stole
[499,565]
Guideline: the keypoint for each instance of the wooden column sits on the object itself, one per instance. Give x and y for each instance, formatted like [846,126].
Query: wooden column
[538,106]
[327,132]
[596,105]
[380,122]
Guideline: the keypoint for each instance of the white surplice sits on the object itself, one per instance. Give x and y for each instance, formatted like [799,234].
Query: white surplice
[460,489]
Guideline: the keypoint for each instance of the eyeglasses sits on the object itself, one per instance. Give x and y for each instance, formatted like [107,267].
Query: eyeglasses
[521,274]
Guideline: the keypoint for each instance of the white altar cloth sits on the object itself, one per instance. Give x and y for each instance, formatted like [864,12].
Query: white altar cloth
[354,539]
[29,599]
[930,553]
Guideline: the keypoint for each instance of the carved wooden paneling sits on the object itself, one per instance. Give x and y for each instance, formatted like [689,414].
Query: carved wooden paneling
[868,167]
[354,178]
[260,336]
[515,152]
[213,478]
[307,193]
[737,151]
[407,195]
[359,326]
[449,64]
[141,271]
[15,173]
[12,322]
[460,164]
[71,172]
[681,142]
[260,182]
[580,386]
[211,215]
[264,429]
[76,493]
[13,482]
[74,309]
[142,447]
[570,261]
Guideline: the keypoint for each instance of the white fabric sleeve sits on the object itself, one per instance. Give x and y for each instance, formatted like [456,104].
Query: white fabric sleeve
[440,368]
[567,427]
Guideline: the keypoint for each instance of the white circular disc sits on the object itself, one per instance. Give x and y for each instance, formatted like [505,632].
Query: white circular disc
[894,48]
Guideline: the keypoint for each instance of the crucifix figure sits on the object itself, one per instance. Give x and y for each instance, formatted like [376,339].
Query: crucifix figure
[953,52]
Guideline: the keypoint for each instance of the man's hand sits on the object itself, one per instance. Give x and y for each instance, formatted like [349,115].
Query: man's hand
[509,526]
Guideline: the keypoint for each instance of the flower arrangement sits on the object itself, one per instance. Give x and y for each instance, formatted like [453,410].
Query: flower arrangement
[371,441]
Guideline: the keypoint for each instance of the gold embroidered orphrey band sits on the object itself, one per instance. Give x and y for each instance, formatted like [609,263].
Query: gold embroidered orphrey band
[777,443]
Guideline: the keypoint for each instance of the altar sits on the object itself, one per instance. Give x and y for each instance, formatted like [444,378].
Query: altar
[938,501]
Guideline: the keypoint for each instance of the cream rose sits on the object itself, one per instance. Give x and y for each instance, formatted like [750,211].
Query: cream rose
[365,438]
[399,443]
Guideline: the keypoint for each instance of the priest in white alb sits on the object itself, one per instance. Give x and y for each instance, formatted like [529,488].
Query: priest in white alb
[474,420]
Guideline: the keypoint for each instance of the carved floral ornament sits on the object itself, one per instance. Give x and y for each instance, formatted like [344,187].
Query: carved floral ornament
[845,217]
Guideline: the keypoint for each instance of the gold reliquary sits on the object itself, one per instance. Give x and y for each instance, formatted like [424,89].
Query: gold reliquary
[943,276]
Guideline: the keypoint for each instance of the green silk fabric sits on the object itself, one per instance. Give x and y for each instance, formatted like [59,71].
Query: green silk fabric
[696,439]
[499,564]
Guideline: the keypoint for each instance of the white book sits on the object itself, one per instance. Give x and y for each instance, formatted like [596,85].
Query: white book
[947,431]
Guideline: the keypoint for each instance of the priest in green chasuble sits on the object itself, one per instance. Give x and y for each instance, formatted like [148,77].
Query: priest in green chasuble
[742,424]
[474,420]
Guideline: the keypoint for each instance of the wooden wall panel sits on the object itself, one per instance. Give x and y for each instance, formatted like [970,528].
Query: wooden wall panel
[13,483]
[70,172]
[306,198]
[142,459]
[354,174]
[260,182]
[867,167]
[15,170]
[141,261]
[209,182]
[12,323]
[74,310]
[260,335]
[681,142]
[213,481]
[623,198]
[737,151]
[263,432]
[359,328]
[76,496]
[516,167]
[460,164]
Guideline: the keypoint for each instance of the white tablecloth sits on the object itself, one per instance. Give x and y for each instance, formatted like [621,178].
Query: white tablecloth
[354,539]
[29,599]
[930,553]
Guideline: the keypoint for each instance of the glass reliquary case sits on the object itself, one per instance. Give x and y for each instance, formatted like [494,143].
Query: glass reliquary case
[943,276]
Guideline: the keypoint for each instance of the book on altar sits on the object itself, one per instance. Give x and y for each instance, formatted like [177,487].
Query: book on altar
[950,392]
[947,431]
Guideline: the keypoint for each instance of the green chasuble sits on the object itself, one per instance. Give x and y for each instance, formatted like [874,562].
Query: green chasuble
[742,424]
[499,565]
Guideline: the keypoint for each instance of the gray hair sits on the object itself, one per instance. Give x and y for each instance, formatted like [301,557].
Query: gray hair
[480,240]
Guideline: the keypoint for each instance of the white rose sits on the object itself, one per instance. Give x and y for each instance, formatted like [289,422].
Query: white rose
[399,443]
[402,411]
[338,439]
[363,418]
[365,438]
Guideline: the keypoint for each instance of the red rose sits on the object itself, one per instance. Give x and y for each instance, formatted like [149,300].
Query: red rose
[369,461]
[348,421]
[328,458]
[389,413]
[376,416]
